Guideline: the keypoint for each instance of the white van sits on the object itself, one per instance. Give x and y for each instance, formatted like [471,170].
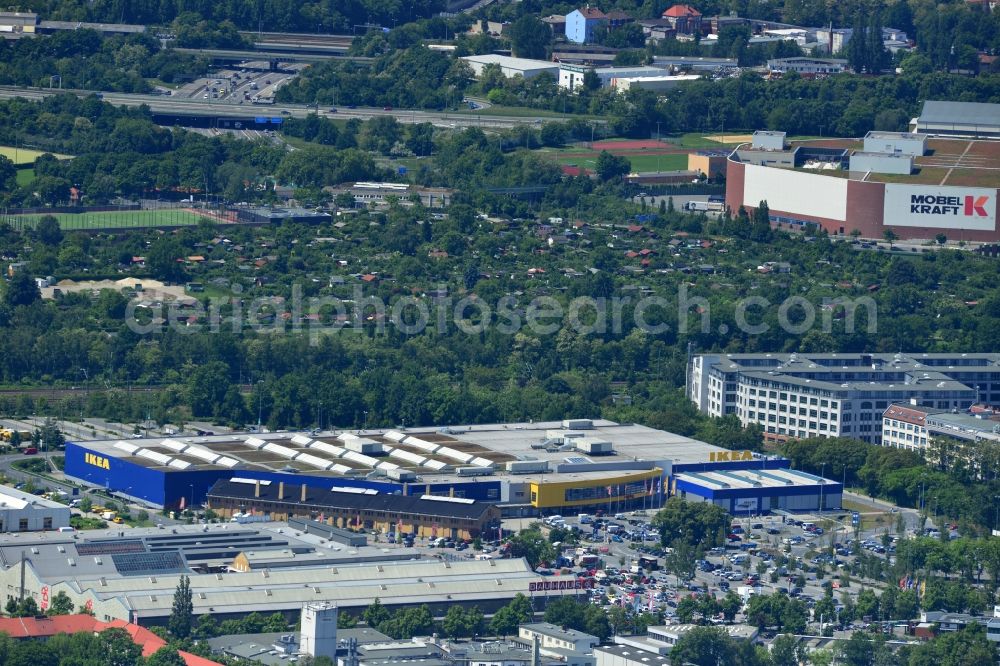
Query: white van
[67,529]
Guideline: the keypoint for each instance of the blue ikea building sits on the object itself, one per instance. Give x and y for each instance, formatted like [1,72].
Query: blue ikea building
[171,473]
[165,486]
[759,490]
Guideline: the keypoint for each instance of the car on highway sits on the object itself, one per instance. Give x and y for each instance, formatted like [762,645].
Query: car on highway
[333,109]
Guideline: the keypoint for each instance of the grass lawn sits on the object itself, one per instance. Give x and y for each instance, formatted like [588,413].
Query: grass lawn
[87,523]
[640,163]
[130,219]
[25,176]
[25,155]
[672,162]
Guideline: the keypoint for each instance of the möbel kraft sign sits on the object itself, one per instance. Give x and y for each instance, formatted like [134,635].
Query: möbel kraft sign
[970,208]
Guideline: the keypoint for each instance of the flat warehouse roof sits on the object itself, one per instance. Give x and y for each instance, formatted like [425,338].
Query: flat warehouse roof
[434,453]
[739,479]
[960,113]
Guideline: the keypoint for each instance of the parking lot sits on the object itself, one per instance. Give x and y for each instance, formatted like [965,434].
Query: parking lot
[762,555]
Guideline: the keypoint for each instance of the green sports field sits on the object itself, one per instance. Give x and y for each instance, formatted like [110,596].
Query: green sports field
[640,163]
[21,156]
[127,219]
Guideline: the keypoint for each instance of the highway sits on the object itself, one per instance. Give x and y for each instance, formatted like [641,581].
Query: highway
[178,108]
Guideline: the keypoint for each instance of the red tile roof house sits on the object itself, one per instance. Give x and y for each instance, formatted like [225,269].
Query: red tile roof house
[684,18]
[44,627]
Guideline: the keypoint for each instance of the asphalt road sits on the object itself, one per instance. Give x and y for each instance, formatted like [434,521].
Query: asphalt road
[174,105]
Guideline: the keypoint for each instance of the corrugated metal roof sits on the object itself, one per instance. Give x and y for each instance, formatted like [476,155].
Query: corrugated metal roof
[960,113]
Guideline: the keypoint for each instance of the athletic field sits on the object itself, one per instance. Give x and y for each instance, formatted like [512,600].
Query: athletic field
[125,219]
[22,156]
[644,155]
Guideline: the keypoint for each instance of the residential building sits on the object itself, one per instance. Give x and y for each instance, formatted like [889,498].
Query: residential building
[557,23]
[44,627]
[491,28]
[904,426]
[581,23]
[24,512]
[618,18]
[913,426]
[684,19]
[658,28]
[830,395]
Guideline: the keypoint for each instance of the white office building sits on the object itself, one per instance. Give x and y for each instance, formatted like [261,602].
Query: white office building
[571,76]
[834,395]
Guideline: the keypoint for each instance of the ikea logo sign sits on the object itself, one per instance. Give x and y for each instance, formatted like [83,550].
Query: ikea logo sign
[96,461]
[729,456]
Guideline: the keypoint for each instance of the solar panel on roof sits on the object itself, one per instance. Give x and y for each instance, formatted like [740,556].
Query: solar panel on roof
[111,547]
[142,563]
